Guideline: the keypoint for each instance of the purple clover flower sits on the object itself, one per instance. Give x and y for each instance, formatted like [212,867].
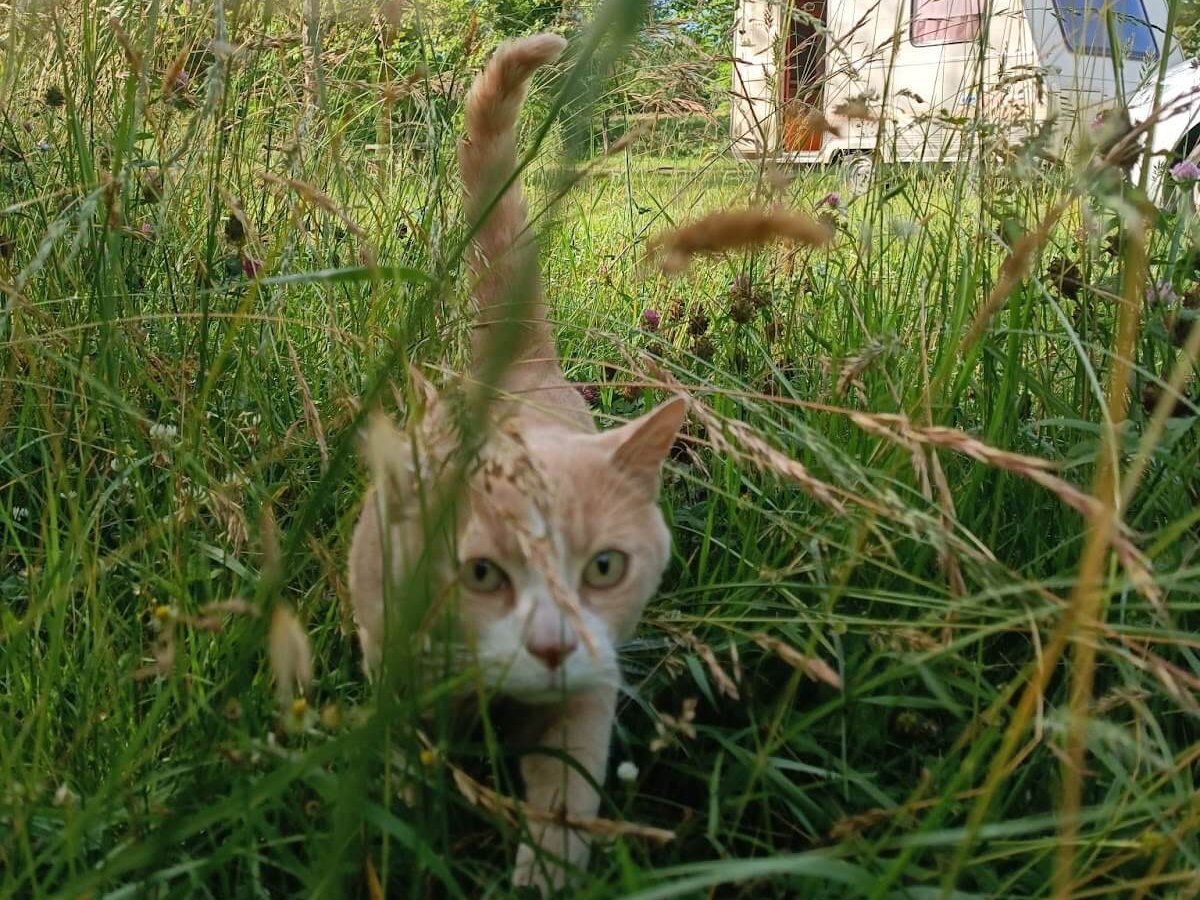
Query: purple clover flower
[251,266]
[833,200]
[1185,171]
[590,395]
[147,229]
[1161,294]
[651,319]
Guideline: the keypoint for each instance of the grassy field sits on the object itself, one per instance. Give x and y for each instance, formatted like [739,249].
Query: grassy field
[905,647]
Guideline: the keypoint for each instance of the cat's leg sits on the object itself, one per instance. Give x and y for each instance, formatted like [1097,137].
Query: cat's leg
[581,727]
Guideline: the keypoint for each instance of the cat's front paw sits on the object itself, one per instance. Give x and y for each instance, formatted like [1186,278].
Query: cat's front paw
[536,869]
[541,866]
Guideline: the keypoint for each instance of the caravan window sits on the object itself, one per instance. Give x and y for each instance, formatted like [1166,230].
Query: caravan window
[945,21]
[1085,28]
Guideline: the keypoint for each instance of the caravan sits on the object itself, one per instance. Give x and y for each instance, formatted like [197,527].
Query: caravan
[815,81]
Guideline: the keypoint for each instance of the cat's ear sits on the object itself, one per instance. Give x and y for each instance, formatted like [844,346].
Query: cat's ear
[643,444]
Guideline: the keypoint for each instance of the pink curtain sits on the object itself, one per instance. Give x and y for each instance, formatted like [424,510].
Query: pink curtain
[945,21]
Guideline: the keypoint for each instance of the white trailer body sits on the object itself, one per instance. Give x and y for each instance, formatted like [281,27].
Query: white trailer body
[932,71]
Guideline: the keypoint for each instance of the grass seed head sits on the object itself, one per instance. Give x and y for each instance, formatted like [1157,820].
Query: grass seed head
[289,653]
[736,230]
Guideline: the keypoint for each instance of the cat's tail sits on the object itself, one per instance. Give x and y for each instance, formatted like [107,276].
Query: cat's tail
[507,286]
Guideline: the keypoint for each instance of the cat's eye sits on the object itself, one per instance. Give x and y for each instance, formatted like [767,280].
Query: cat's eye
[605,569]
[482,576]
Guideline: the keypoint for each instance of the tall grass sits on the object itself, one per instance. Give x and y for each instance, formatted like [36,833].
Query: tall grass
[894,654]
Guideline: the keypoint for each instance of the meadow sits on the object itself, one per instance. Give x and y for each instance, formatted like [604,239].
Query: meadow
[930,629]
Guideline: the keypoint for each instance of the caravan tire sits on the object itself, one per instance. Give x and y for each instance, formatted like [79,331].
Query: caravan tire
[857,172]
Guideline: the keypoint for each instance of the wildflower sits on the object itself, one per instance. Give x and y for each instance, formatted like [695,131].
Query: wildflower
[232,710]
[428,757]
[698,325]
[833,200]
[627,772]
[299,707]
[1065,275]
[773,329]
[651,319]
[54,97]
[20,513]
[64,796]
[235,231]
[1152,394]
[331,716]
[251,266]
[590,395]
[1161,293]
[742,310]
[1185,171]
[163,433]
[147,229]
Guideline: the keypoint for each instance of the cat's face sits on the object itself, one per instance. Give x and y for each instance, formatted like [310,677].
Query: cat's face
[590,529]
[559,544]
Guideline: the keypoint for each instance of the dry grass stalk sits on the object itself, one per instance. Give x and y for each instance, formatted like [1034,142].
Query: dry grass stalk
[1177,682]
[513,811]
[506,459]
[317,198]
[311,416]
[1013,269]
[726,686]
[374,887]
[133,56]
[815,122]
[814,668]
[670,728]
[736,230]
[739,441]
[855,108]
[899,429]
[170,80]
[235,209]
[860,362]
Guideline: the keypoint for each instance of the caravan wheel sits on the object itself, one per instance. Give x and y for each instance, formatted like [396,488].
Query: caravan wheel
[857,171]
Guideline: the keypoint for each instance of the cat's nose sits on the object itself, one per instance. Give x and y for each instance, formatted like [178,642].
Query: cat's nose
[552,653]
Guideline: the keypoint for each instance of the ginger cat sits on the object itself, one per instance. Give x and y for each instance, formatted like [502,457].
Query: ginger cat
[558,540]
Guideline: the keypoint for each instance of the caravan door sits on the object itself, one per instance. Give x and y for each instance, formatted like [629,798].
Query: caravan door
[803,82]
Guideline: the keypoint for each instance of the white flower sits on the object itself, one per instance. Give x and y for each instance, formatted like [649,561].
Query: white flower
[20,513]
[64,796]
[627,772]
[163,433]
